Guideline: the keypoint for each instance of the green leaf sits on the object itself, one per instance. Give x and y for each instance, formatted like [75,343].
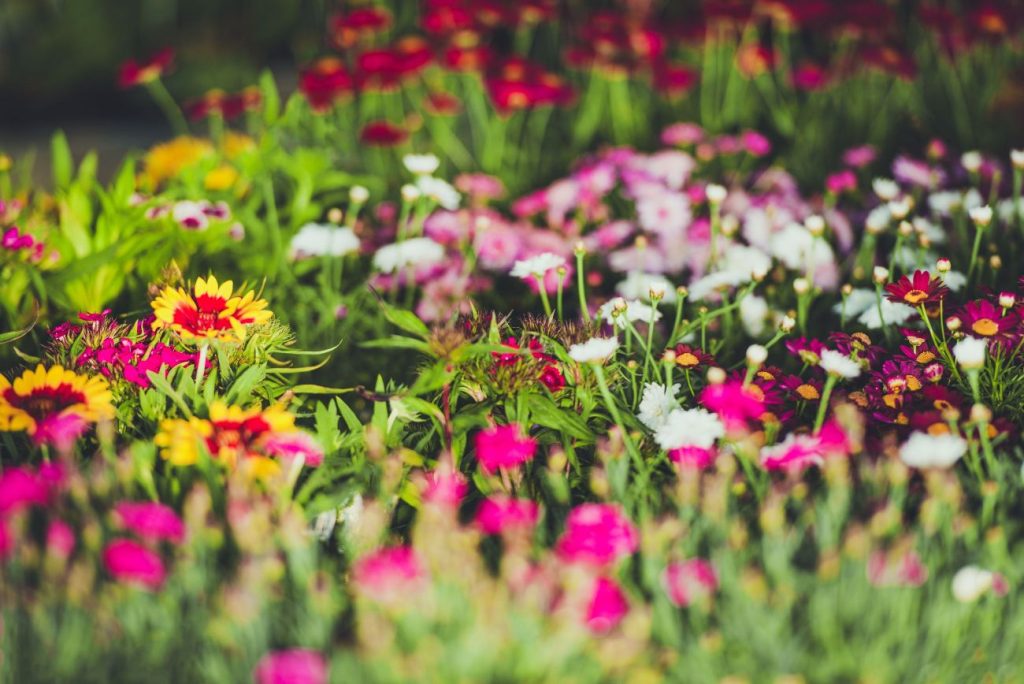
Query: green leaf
[320,389]
[398,342]
[543,411]
[63,164]
[241,388]
[271,97]
[160,382]
[406,320]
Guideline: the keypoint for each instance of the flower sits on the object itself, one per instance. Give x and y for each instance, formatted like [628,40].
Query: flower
[22,488]
[134,73]
[130,562]
[970,352]
[537,266]
[503,446]
[500,514]
[292,666]
[657,402]
[619,313]
[319,239]
[251,438]
[324,82]
[694,427]
[167,160]
[388,574]
[419,251]
[421,164]
[839,365]
[53,405]
[984,319]
[210,312]
[798,452]
[734,403]
[638,285]
[151,521]
[922,288]
[607,606]
[383,134]
[441,191]
[923,450]
[689,581]
[597,534]
[595,350]
[896,570]
[970,583]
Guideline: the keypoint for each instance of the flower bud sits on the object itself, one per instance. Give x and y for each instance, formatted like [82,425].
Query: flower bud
[880,275]
[982,216]
[943,265]
[787,324]
[801,286]
[1007,299]
[756,355]
[971,161]
[334,215]
[815,225]
[410,193]
[716,375]
[953,323]
[358,194]
[906,228]
[1017,159]
[715,193]
[981,414]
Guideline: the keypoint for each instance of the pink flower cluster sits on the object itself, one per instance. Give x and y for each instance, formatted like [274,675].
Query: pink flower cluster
[21,489]
[597,535]
[503,446]
[292,666]
[17,242]
[138,562]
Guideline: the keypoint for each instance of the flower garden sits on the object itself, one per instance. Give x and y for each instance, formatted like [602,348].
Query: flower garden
[532,341]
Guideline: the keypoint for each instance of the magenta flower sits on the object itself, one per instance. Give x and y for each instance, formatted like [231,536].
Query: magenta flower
[60,539]
[21,488]
[756,144]
[14,240]
[841,181]
[388,573]
[597,534]
[444,488]
[151,521]
[132,563]
[503,446]
[500,514]
[294,444]
[292,666]
[689,581]
[607,607]
[692,457]
[734,403]
[798,452]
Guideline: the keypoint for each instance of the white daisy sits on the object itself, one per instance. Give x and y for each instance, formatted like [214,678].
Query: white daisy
[932,451]
[657,403]
[838,364]
[318,239]
[632,311]
[594,350]
[421,164]
[537,265]
[638,285]
[970,352]
[419,251]
[441,191]
[689,427]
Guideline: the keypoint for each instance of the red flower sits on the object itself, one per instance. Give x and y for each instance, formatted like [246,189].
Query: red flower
[674,80]
[347,29]
[383,134]
[921,288]
[134,73]
[324,82]
[130,562]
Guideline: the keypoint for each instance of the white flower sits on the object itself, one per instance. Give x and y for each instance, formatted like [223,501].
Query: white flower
[318,239]
[537,266]
[190,215]
[970,583]
[631,311]
[701,288]
[594,350]
[1007,209]
[970,352]
[878,219]
[923,450]
[715,193]
[410,193]
[749,262]
[638,285]
[440,191]
[421,164]
[657,403]
[359,194]
[954,280]
[757,354]
[885,188]
[856,303]
[753,313]
[419,251]
[1017,158]
[839,364]
[982,216]
[689,427]
[795,247]
[892,313]
[971,161]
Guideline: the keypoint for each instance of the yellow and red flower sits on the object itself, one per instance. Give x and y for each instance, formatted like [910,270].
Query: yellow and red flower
[211,311]
[248,438]
[920,289]
[982,318]
[135,73]
[53,405]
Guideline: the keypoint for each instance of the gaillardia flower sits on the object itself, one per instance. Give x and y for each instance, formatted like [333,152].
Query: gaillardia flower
[211,311]
[921,288]
[53,405]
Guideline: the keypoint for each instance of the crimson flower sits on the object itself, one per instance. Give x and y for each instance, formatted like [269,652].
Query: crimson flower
[921,288]
[133,73]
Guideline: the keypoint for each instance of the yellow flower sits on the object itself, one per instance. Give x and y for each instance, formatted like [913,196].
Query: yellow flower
[235,144]
[221,178]
[52,403]
[179,440]
[167,160]
[210,311]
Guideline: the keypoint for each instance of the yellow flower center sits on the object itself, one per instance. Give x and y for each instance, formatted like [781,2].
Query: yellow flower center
[985,326]
[925,357]
[687,360]
[938,429]
[915,296]
[808,392]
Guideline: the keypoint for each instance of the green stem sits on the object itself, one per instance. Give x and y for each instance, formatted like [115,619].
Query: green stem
[826,393]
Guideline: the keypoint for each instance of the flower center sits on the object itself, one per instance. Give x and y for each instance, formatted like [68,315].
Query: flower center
[687,360]
[808,392]
[938,429]
[43,402]
[925,357]
[985,326]
[915,296]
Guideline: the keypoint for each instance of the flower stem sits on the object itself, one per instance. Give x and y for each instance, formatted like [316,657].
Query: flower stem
[826,394]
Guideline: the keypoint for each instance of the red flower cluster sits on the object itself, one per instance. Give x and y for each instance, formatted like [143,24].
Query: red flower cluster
[134,73]
[549,374]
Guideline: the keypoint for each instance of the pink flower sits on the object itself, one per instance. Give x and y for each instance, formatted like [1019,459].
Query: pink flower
[151,521]
[693,457]
[500,514]
[903,570]
[60,430]
[756,144]
[682,134]
[480,186]
[6,542]
[498,245]
[503,446]
[841,181]
[388,574]
[597,534]
[293,666]
[21,488]
[667,213]
[60,539]
[130,562]
[291,445]
[798,452]
[13,240]
[444,488]
[689,581]
[859,157]
[734,403]
[607,606]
